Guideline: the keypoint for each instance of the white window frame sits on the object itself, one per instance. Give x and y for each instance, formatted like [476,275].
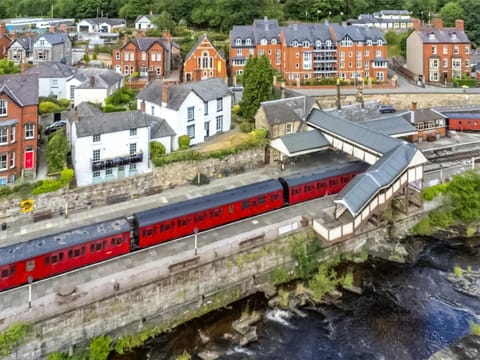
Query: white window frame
[3,107]
[3,135]
[29,131]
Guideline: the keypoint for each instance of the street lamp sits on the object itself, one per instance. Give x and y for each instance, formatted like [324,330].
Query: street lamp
[195,231]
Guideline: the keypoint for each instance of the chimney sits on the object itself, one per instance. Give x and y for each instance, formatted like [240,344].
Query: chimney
[125,38]
[164,93]
[416,24]
[63,28]
[142,106]
[166,35]
[24,65]
[13,35]
[414,105]
[75,115]
[51,28]
[3,29]
[438,24]
[459,24]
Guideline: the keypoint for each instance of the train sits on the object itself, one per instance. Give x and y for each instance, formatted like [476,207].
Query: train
[463,121]
[50,255]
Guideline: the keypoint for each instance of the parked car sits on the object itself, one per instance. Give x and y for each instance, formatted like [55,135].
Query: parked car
[386,109]
[50,129]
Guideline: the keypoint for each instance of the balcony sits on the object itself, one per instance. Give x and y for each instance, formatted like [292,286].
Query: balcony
[118,161]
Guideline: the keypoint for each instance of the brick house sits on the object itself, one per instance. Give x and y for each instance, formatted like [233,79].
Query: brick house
[5,40]
[18,127]
[430,124]
[204,61]
[436,54]
[304,52]
[146,55]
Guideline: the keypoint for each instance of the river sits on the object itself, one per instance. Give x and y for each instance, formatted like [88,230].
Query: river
[406,311]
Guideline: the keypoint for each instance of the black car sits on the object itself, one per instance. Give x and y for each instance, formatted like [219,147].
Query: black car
[50,129]
[386,109]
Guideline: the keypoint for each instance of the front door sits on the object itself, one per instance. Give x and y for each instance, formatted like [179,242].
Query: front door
[28,159]
[206,127]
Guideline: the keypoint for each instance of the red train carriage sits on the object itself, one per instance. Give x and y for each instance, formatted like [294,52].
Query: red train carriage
[328,181]
[463,121]
[180,219]
[54,254]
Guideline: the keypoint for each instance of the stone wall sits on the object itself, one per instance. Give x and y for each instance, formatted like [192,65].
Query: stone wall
[86,197]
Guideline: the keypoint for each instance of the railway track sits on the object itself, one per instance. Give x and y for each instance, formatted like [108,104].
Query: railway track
[439,158]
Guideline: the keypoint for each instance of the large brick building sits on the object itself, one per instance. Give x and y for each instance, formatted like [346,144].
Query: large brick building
[204,61]
[146,55]
[18,127]
[304,52]
[437,54]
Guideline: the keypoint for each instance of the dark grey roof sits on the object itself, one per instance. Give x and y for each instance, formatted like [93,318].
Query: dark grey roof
[242,32]
[109,21]
[26,42]
[358,33]
[55,38]
[22,88]
[99,78]
[159,128]
[304,141]
[286,110]
[207,90]
[202,38]
[392,125]
[92,121]
[394,12]
[266,29]
[422,115]
[149,17]
[145,43]
[355,132]
[11,254]
[52,70]
[357,194]
[446,35]
[306,32]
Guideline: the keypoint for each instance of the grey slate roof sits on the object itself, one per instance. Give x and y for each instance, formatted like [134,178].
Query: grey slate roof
[422,115]
[26,42]
[99,78]
[202,38]
[52,70]
[355,132]
[304,141]
[356,195]
[266,29]
[307,32]
[442,36]
[242,32]
[149,17]
[358,33]
[159,128]
[392,125]
[22,88]
[207,90]
[145,43]
[287,110]
[109,21]
[92,121]
[55,38]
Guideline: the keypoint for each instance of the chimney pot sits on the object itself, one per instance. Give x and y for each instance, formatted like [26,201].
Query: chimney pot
[414,105]
[51,28]
[165,94]
[416,24]
[459,24]
[438,24]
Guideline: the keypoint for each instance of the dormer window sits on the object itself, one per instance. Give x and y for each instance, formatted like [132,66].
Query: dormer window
[263,41]
[306,44]
[238,41]
[454,36]
[318,43]
[294,43]
[274,41]
[328,43]
[379,42]
[248,41]
[431,36]
[369,42]
[347,41]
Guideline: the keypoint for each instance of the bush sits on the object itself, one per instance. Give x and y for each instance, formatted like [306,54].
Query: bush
[47,107]
[113,108]
[433,191]
[184,142]
[49,185]
[99,348]
[201,179]
[245,126]
[156,149]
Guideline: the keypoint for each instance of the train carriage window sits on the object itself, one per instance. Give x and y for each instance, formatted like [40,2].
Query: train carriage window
[262,200]
[83,250]
[112,242]
[98,246]
[4,273]
[119,240]
[104,244]
[70,254]
[60,256]
[47,260]
[12,270]
[92,247]
[231,208]
[30,265]
[54,259]
[77,252]
[254,203]
[181,222]
[274,197]
[245,204]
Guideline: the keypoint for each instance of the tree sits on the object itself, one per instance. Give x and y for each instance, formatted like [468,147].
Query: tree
[451,12]
[57,149]
[164,21]
[8,67]
[464,196]
[472,21]
[133,8]
[257,85]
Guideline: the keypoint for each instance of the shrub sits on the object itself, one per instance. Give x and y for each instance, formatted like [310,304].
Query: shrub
[474,328]
[201,179]
[431,192]
[94,56]
[99,348]
[184,142]
[49,185]
[245,126]
[156,149]
[47,107]
[86,58]
[457,270]
[108,108]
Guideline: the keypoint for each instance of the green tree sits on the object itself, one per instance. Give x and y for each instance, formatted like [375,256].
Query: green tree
[179,10]
[472,21]
[257,85]
[464,196]
[133,8]
[57,149]
[451,12]
[164,21]
[12,337]
[99,348]
[8,67]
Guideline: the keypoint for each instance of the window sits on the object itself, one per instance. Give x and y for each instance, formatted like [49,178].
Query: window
[445,63]
[434,49]
[306,44]
[3,136]
[3,162]
[132,56]
[132,168]
[261,52]
[367,53]
[378,53]
[288,128]
[445,50]
[238,42]
[274,41]
[467,50]
[144,56]
[96,155]
[307,60]
[133,132]
[125,56]
[295,44]
[219,104]
[117,55]
[96,174]
[190,113]
[263,41]
[29,131]
[54,83]
[369,42]
[219,123]
[133,149]
[191,131]
[205,108]
[12,159]
[109,172]
[379,76]
[456,50]
[96,137]
[3,107]
[248,42]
